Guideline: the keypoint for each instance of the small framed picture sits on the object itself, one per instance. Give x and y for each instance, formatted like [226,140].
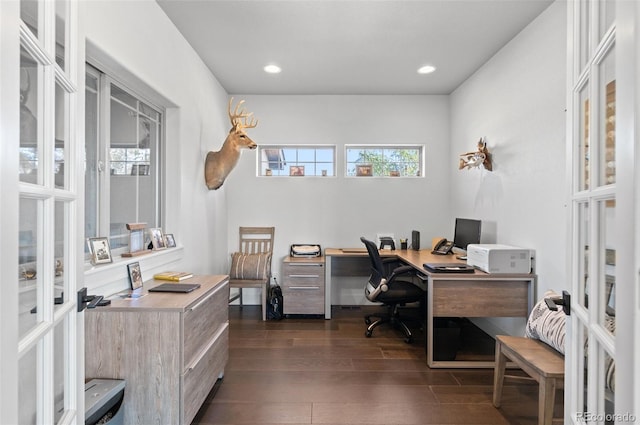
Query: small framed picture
[364,170]
[135,275]
[296,170]
[169,240]
[157,239]
[100,251]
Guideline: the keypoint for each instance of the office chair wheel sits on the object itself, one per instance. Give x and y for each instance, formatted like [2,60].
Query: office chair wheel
[367,320]
[408,340]
[368,333]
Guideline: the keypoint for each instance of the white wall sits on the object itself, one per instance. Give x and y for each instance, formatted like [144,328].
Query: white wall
[517,101]
[336,211]
[140,38]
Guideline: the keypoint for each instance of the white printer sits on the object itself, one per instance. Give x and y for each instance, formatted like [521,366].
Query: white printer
[497,258]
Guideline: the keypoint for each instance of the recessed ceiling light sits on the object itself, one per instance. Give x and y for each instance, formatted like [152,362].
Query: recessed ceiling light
[427,69]
[272,69]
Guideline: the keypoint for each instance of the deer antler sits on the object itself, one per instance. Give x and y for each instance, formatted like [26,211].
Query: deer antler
[238,115]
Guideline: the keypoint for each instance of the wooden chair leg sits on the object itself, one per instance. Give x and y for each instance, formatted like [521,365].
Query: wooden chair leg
[546,400]
[264,301]
[498,374]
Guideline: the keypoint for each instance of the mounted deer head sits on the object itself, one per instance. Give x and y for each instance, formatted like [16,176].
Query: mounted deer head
[219,164]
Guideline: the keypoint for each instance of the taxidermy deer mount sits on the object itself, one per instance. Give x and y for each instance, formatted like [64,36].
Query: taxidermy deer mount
[218,165]
[482,157]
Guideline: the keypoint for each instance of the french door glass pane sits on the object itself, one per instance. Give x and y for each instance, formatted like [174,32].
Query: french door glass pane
[61,42]
[91,158]
[607,15]
[582,362]
[609,382]
[583,142]
[60,150]
[583,256]
[61,230]
[29,110]
[608,260]
[28,372]
[60,368]
[29,14]
[607,118]
[584,26]
[30,286]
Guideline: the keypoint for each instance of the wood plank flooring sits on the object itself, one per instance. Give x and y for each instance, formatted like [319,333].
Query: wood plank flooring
[315,371]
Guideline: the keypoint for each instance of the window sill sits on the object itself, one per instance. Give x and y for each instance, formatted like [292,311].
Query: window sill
[107,279]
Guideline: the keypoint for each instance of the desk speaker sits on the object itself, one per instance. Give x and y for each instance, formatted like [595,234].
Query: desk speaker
[415,240]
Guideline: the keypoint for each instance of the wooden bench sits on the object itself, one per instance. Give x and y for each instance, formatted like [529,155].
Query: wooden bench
[538,360]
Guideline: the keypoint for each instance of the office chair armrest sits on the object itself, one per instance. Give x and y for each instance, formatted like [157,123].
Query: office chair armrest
[400,271]
[391,264]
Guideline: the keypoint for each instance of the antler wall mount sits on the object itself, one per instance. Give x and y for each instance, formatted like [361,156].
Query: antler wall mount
[475,159]
[218,165]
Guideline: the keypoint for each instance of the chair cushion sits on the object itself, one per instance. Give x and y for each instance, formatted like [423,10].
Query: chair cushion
[401,291]
[250,266]
[547,325]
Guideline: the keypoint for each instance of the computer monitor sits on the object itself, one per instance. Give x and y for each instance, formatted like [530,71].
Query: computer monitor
[467,231]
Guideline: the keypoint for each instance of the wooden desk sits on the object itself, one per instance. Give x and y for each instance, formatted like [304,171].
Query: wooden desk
[453,295]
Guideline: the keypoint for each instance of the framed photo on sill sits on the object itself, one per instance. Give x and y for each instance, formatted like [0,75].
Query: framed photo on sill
[100,250]
[135,275]
[157,238]
[169,240]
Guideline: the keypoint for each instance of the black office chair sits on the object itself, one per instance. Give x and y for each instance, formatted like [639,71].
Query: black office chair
[386,287]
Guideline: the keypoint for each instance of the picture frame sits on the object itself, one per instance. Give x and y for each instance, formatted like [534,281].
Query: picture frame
[140,169]
[169,240]
[135,275]
[136,239]
[296,170]
[364,170]
[157,239]
[100,250]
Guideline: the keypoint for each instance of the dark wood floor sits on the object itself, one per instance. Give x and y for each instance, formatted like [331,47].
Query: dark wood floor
[315,371]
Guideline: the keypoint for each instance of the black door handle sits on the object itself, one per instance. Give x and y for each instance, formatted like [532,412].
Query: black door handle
[565,302]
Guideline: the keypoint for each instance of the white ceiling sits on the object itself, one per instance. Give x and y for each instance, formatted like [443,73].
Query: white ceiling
[348,46]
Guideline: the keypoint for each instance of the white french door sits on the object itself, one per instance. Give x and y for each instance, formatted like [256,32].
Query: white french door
[41,333]
[601,335]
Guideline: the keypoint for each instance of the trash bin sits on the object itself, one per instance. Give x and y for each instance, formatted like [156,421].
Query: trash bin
[103,402]
[446,338]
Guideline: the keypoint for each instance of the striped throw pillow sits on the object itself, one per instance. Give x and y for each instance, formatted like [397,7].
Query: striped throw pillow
[546,325]
[250,266]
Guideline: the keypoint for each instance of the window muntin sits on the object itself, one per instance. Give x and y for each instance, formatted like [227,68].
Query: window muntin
[297,160]
[384,160]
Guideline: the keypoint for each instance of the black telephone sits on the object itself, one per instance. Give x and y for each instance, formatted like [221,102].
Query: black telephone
[442,247]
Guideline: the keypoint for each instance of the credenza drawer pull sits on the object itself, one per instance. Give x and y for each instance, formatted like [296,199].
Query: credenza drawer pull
[309,276]
[304,287]
[307,265]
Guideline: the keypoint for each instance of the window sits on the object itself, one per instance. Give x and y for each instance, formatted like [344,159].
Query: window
[294,160]
[123,165]
[384,160]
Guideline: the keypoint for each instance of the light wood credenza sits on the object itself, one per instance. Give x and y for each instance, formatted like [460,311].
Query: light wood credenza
[169,347]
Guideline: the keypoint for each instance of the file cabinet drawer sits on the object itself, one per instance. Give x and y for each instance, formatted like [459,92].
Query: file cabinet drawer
[203,319]
[200,376]
[303,287]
